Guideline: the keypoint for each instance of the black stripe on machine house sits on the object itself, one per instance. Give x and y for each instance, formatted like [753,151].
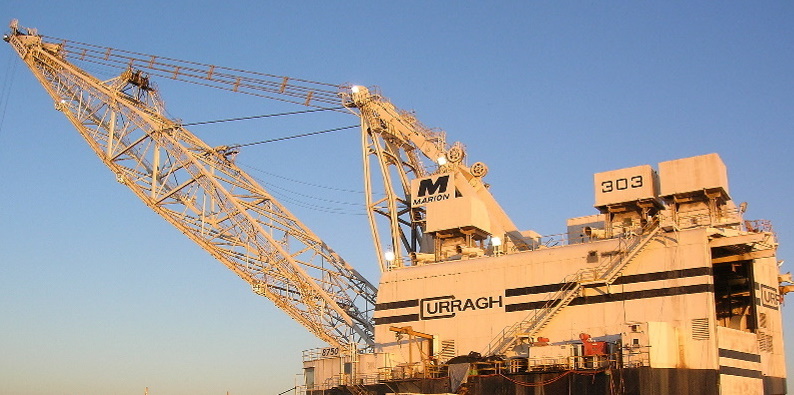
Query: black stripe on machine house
[742,356]
[397,305]
[530,305]
[397,318]
[537,289]
[618,297]
[668,275]
[731,371]
[630,279]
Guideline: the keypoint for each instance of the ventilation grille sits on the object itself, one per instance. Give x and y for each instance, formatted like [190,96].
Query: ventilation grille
[700,329]
[447,350]
[765,342]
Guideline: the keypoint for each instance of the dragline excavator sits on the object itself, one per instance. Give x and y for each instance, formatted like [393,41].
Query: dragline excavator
[466,302]
[202,192]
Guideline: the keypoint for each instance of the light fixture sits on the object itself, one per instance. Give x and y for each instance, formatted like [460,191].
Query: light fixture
[389,255]
[442,160]
[495,241]
[355,88]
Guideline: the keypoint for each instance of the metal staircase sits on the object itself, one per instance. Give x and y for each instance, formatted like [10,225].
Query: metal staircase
[357,389]
[604,274]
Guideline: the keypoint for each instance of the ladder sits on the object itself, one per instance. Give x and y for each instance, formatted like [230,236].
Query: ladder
[605,274]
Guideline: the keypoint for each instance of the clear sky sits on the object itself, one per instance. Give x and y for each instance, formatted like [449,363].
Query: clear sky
[98,295]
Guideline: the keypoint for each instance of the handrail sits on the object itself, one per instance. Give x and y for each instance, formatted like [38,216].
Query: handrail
[606,274]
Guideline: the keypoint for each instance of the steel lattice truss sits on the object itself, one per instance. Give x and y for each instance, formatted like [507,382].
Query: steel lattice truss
[202,192]
[388,147]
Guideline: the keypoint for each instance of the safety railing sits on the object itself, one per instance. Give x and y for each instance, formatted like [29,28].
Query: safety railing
[625,356]
[315,354]
[633,244]
[703,217]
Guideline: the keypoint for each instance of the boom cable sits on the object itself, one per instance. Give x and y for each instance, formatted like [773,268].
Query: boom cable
[276,186]
[5,89]
[316,207]
[299,181]
[282,88]
[263,116]
[276,115]
[295,136]
[304,204]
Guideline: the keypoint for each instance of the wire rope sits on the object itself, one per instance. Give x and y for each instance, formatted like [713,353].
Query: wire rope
[263,116]
[312,197]
[295,136]
[5,89]
[315,207]
[299,181]
[282,194]
[271,86]
[107,50]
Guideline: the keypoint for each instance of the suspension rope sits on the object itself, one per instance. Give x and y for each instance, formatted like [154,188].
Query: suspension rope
[313,206]
[316,207]
[295,136]
[319,208]
[263,116]
[313,197]
[106,51]
[282,88]
[299,181]
[5,89]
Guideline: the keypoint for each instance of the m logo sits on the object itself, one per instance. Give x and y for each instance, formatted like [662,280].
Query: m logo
[431,189]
